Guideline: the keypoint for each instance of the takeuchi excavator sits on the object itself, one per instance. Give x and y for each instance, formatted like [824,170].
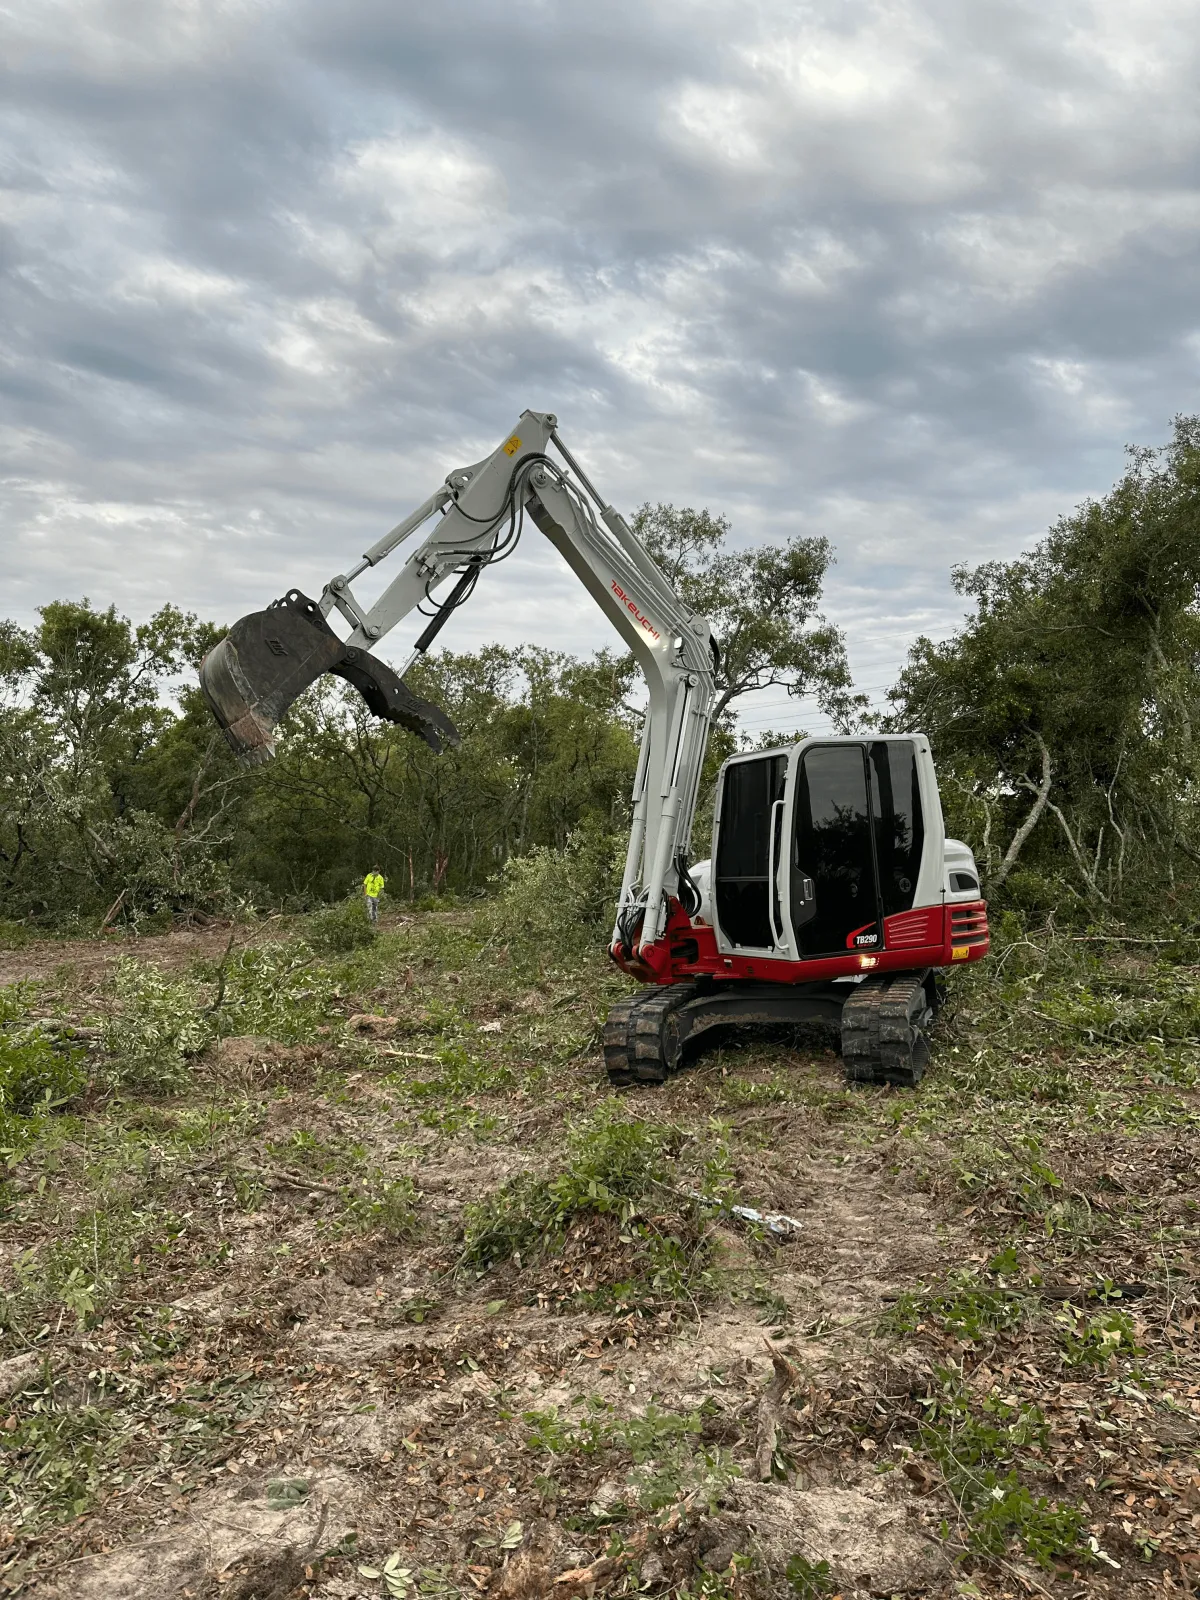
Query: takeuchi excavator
[831,893]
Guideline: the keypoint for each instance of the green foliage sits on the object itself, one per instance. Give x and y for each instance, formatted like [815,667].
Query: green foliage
[761,602]
[1062,714]
[553,903]
[612,1162]
[387,1206]
[808,1580]
[54,1462]
[664,1448]
[1096,1340]
[36,1073]
[81,705]
[276,990]
[160,1024]
[980,1450]
[338,929]
[967,1309]
[77,1272]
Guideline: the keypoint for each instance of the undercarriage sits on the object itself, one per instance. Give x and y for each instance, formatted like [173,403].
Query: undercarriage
[883,1022]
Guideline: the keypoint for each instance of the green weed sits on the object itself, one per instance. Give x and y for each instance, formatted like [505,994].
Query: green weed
[1095,1340]
[809,1580]
[612,1163]
[666,1457]
[80,1272]
[37,1074]
[727,1585]
[382,1205]
[966,1309]
[526,917]
[160,1025]
[337,930]
[275,990]
[461,1076]
[55,1461]
[980,1451]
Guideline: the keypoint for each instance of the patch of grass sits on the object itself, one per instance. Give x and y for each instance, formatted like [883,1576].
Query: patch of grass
[38,1074]
[747,1092]
[461,1076]
[382,1205]
[981,1451]
[634,1241]
[665,1455]
[78,1273]
[309,1152]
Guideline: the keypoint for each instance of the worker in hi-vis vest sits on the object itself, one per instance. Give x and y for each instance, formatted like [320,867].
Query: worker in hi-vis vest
[373,888]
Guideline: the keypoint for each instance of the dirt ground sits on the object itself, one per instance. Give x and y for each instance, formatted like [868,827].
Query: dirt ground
[260,1340]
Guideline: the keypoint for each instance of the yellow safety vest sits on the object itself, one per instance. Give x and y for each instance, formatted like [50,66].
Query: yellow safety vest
[372,884]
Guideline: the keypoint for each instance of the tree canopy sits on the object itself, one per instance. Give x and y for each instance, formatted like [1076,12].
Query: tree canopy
[1062,712]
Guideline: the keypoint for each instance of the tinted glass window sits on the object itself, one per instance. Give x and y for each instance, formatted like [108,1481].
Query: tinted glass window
[899,826]
[743,849]
[833,846]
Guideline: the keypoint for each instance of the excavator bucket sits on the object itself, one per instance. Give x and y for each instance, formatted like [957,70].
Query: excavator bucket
[269,658]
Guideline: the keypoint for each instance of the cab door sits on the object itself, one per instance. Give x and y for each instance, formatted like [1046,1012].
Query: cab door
[815,846]
[833,855]
[749,843]
[858,842]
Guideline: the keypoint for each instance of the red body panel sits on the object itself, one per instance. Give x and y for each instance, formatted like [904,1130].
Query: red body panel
[930,936]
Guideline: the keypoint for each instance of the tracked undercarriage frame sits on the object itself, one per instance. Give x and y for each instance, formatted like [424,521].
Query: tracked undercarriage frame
[884,1023]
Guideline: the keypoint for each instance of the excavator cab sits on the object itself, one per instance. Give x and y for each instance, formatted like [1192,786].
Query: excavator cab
[832,896]
[817,849]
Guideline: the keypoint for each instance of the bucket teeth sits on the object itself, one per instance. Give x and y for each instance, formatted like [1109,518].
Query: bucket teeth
[269,658]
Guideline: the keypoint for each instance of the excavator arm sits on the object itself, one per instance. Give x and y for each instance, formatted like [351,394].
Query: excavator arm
[268,659]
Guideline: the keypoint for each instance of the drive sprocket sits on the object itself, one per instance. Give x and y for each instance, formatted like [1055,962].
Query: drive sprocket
[885,1029]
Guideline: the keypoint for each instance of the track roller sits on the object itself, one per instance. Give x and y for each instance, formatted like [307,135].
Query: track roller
[885,1026]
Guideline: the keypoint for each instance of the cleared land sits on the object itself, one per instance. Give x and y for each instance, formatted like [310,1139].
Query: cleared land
[341,1272]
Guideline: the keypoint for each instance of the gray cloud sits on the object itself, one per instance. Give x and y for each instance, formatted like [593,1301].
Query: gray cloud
[906,274]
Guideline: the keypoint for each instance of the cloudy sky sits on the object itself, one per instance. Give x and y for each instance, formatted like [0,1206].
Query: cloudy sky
[909,275]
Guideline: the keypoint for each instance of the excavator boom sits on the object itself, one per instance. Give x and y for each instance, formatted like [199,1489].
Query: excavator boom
[269,658]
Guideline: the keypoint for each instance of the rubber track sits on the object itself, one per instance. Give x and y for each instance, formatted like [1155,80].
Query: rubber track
[634,1035]
[883,1025]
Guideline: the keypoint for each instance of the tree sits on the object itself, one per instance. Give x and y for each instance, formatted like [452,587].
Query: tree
[762,605]
[82,707]
[1064,708]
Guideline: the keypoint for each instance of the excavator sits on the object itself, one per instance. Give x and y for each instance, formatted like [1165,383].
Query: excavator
[831,894]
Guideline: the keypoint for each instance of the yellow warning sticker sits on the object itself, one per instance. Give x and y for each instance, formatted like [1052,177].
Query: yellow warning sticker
[513,445]
[959,952]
